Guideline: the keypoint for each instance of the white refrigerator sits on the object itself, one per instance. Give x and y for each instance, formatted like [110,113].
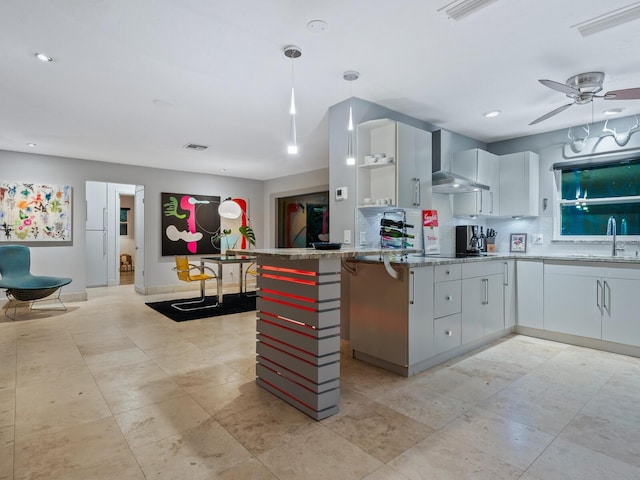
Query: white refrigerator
[96,234]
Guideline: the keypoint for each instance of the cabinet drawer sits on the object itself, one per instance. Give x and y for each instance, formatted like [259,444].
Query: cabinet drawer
[447,298]
[444,273]
[482,268]
[446,333]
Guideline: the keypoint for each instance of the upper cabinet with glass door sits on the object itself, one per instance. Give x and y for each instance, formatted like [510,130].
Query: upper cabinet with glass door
[394,161]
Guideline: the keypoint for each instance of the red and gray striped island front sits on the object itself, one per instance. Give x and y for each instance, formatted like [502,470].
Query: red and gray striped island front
[298,326]
[298,349]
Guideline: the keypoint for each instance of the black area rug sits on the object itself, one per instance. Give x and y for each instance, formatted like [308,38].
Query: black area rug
[232,303]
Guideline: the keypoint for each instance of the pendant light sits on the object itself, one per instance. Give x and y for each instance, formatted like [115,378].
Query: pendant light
[293,52]
[350,76]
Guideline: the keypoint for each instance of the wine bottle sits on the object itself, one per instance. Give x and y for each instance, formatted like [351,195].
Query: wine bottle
[390,232]
[387,222]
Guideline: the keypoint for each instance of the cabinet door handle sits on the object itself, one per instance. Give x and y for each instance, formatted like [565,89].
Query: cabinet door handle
[491,195]
[448,297]
[598,295]
[485,281]
[481,197]
[412,287]
[448,333]
[606,288]
[448,272]
[506,274]
[416,192]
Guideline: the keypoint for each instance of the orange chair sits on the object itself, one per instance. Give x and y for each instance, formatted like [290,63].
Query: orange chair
[184,270]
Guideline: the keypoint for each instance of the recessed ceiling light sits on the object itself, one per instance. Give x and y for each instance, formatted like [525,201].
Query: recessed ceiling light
[43,57]
[491,114]
[613,111]
[31,144]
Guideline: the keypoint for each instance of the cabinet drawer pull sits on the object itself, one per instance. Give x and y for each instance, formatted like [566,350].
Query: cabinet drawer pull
[448,333]
[448,297]
[448,272]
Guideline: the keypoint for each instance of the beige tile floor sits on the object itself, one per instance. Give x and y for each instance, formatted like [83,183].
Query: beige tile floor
[110,389]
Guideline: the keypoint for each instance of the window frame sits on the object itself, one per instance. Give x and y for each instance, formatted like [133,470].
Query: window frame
[558,202]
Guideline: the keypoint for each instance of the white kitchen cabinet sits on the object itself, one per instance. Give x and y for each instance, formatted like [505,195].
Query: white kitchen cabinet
[593,301]
[620,307]
[482,167]
[519,184]
[482,299]
[530,293]
[420,330]
[509,293]
[571,304]
[402,182]
[447,304]
[392,319]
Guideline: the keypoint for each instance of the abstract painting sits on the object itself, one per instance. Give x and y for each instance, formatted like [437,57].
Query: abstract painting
[190,224]
[35,213]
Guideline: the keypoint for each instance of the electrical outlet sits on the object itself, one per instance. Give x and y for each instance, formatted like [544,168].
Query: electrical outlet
[347,237]
[363,238]
[538,239]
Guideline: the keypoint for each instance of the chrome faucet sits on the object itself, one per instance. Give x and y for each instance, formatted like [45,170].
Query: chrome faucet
[611,230]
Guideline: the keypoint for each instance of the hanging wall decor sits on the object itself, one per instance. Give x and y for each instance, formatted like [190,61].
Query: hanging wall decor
[190,224]
[35,213]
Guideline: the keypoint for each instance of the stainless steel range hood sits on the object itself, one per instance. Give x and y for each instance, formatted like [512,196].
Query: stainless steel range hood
[442,179]
[447,182]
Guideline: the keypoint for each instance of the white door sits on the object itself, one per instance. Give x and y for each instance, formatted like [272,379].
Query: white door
[138,229]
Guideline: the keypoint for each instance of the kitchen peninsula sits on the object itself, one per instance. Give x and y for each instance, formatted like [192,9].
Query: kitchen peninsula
[416,312]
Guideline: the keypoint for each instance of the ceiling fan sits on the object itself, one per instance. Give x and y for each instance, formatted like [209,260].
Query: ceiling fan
[582,88]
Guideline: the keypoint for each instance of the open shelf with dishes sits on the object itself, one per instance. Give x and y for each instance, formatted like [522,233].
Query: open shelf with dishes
[377,164]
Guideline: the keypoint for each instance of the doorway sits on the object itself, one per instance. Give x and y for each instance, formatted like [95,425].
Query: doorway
[303,219]
[114,227]
[127,241]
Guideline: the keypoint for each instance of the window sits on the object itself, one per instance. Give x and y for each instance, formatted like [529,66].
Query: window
[590,194]
[124,221]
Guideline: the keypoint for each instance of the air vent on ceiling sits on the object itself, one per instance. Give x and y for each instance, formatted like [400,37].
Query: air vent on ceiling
[459,9]
[609,20]
[195,146]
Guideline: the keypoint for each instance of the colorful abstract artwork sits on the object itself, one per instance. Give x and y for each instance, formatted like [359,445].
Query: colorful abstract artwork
[35,213]
[190,224]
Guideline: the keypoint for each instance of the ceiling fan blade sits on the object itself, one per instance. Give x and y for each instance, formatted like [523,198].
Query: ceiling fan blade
[561,87]
[626,94]
[551,113]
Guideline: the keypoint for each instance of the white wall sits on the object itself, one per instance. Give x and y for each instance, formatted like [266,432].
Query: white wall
[69,260]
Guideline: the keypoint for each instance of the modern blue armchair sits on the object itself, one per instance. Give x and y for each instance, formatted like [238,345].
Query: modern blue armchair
[20,284]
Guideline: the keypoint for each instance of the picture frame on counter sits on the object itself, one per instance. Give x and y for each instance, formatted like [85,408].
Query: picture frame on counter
[518,243]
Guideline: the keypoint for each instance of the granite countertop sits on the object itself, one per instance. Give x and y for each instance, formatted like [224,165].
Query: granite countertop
[311,253]
[417,260]
[414,258]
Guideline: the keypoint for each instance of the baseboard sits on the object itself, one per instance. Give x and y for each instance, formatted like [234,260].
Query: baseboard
[579,341]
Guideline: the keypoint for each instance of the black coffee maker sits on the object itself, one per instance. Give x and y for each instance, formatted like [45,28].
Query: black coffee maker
[469,241]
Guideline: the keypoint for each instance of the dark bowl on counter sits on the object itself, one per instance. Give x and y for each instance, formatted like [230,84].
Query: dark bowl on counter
[326,246]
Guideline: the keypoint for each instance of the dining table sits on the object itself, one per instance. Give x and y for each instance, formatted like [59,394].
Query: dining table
[226,259]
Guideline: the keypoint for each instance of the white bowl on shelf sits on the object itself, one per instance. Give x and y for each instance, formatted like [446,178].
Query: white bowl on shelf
[369,159]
